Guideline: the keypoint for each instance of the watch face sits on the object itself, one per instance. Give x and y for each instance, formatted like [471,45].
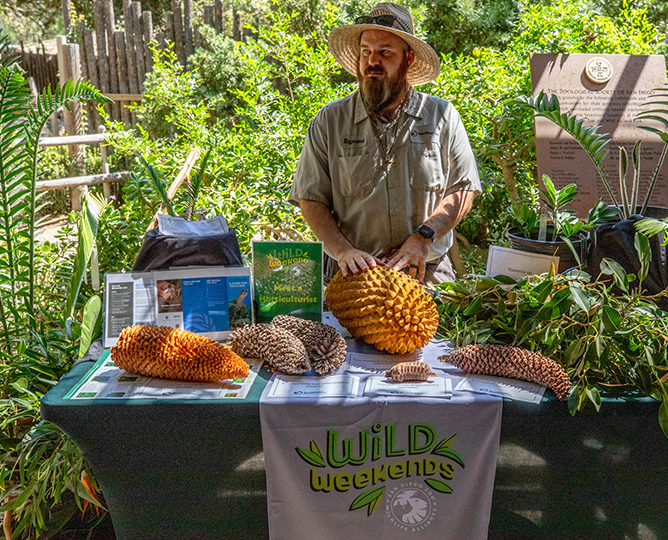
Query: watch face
[425,231]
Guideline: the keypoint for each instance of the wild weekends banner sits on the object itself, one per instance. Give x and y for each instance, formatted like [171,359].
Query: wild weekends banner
[360,468]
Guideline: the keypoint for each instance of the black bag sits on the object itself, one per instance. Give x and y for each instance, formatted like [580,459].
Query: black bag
[615,241]
[161,251]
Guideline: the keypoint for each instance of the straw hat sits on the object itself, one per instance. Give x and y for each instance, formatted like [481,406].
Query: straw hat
[344,42]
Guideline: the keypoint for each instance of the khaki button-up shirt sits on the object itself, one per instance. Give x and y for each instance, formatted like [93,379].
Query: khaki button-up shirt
[378,203]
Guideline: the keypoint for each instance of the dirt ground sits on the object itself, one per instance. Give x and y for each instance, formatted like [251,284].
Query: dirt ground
[47,229]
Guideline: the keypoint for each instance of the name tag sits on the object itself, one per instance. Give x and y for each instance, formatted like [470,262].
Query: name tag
[353,142]
[425,134]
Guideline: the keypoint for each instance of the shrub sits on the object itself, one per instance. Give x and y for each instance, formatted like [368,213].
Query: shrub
[253,155]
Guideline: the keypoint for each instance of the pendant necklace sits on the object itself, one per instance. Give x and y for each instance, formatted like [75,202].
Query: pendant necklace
[394,123]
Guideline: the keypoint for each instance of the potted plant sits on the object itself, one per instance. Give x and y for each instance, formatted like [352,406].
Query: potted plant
[624,200]
[565,236]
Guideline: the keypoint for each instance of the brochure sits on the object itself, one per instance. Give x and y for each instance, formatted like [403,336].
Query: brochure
[502,387]
[438,387]
[287,277]
[105,381]
[211,301]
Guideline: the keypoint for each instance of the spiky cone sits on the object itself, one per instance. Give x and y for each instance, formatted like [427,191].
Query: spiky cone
[410,371]
[513,362]
[386,308]
[325,347]
[280,348]
[169,353]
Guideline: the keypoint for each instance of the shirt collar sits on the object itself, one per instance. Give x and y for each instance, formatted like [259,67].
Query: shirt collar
[413,107]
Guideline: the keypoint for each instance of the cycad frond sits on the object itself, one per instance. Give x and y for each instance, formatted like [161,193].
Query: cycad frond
[49,102]
[14,98]
[156,179]
[593,143]
[195,185]
[659,97]
[8,56]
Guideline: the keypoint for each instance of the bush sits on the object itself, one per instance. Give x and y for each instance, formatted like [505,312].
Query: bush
[253,154]
[480,83]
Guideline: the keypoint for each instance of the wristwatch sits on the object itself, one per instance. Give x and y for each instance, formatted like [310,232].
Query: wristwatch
[425,232]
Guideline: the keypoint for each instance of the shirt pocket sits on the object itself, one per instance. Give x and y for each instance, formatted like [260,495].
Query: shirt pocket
[355,174]
[426,170]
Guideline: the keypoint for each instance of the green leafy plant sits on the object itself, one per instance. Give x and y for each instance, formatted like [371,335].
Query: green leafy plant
[565,224]
[36,464]
[605,342]
[287,78]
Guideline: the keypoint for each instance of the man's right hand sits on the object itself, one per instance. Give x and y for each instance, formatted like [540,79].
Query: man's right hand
[354,260]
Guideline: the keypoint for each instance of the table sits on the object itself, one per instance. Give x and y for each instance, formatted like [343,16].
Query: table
[194,470]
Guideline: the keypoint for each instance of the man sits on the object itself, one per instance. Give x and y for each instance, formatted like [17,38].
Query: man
[387,172]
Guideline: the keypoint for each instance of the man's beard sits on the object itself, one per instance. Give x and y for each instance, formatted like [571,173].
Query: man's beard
[378,94]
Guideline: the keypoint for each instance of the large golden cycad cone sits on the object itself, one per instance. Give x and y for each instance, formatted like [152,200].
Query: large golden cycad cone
[169,353]
[384,307]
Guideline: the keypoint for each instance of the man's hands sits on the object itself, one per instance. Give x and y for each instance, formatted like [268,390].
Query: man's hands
[413,253]
[354,260]
[320,218]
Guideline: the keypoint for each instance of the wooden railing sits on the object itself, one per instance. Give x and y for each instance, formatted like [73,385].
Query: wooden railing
[79,184]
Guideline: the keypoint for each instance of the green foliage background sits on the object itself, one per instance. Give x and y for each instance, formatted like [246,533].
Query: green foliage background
[249,104]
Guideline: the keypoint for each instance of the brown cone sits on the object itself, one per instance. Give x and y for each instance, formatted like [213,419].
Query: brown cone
[512,362]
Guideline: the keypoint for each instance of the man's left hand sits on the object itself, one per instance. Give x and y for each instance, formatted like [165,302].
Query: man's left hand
[413,253]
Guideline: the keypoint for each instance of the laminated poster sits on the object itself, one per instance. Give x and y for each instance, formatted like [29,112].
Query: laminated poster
[287,279]
[105,381]
[211,301]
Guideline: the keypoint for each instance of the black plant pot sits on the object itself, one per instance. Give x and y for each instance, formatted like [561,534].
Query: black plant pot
[654,212]
[567,260]
[616,241]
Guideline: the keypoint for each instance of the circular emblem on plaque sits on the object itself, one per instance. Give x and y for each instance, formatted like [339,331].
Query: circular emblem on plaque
[599,70]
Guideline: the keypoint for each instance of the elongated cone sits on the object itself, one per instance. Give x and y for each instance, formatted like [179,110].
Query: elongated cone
[160,351]
[384,307]
[514,362]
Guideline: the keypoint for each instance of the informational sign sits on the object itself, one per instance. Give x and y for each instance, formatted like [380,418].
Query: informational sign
[518,264]
[438,387]
[502,387]
[105,381]
[303,387]
[603,90]
[211,301]
[377,363]
[287,279]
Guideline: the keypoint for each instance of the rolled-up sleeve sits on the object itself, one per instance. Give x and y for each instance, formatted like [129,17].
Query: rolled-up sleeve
[312,179]
[457,152]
